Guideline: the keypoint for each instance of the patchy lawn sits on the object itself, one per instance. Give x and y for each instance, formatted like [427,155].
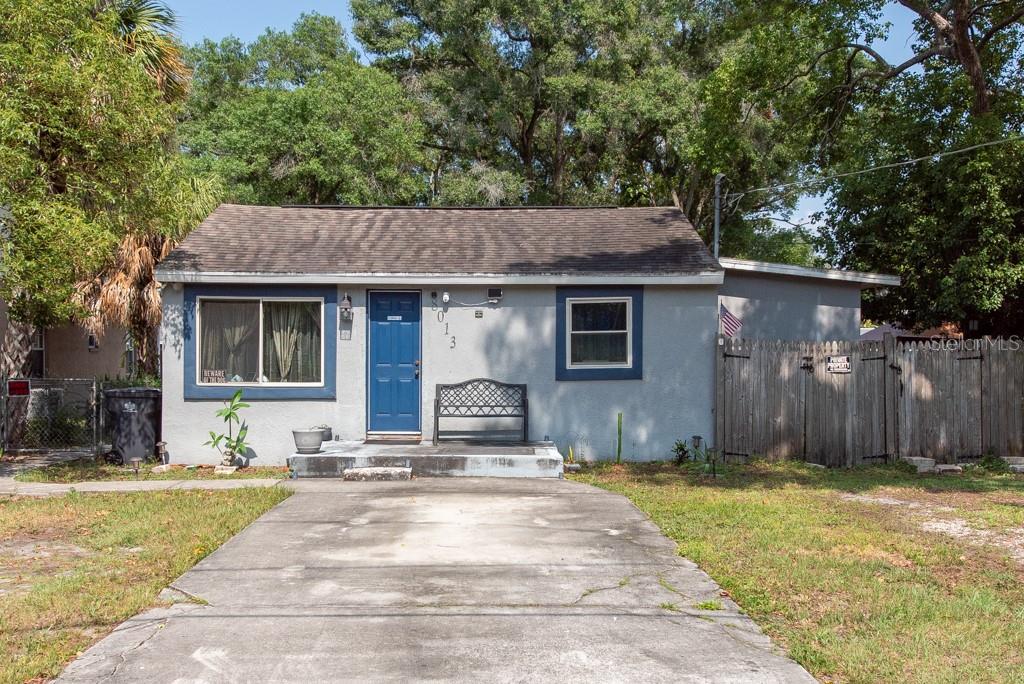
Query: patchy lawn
[89,469]
[73,567]
[864,575]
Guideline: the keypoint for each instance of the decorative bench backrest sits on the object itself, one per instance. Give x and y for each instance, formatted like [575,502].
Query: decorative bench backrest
[481,398]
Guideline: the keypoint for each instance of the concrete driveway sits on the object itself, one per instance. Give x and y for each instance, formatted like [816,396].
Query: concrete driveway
[442,579]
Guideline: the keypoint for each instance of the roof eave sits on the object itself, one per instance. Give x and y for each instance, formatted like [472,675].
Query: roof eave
[709,277]
[865,280]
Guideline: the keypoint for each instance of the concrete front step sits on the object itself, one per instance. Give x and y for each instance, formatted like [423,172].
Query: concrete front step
[1014,460]
[544,463]
[1015,468]
[377,474]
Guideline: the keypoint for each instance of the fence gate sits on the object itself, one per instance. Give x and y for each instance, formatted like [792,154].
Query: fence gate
[846,419]
[940,402]
[823,402]
[56,414]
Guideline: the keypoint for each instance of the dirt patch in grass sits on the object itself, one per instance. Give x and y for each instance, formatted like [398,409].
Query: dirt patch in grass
[941,514]
[90,470]
[835,565]
[75,566]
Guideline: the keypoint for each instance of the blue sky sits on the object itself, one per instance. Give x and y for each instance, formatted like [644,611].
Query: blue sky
[216,19]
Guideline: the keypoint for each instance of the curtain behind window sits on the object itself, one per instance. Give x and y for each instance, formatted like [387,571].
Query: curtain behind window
[230,341]
[291,341]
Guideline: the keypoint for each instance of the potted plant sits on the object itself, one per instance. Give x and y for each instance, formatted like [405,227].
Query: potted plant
[326,429]
[308,441]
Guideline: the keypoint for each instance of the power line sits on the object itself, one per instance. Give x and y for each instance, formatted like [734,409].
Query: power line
[893,165]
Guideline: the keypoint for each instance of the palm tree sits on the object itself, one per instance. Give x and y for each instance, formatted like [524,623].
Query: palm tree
[126,293]
[147,28]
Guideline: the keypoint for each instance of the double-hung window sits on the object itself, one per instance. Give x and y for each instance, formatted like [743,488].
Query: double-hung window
[260,341]
[599,333]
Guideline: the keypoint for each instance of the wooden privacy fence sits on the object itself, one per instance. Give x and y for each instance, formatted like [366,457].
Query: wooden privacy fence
[845,403]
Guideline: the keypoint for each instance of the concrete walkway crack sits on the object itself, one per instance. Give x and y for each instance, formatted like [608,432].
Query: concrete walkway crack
[593,590]
[192,598]
[123,655]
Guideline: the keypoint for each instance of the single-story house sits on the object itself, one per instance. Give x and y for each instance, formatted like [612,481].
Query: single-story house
[69,351]
[351,316]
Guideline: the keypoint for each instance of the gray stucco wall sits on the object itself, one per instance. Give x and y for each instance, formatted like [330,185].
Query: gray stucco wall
[780,308]
[513,342]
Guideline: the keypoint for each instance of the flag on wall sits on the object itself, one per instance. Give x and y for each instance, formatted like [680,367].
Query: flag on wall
[730,324]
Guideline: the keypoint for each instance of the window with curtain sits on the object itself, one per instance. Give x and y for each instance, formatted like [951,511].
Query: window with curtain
[291,341]
[260,341]
[599,332]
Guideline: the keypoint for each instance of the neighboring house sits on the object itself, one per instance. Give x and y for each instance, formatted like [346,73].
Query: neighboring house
[68,351]
[783,302]
[349,317]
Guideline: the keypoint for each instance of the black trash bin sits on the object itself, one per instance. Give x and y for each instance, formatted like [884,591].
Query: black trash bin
[134,414]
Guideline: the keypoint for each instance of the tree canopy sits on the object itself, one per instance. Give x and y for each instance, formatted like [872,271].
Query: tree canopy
[636,102]
[113,143]
[82,132]
[294,118]
[952,227]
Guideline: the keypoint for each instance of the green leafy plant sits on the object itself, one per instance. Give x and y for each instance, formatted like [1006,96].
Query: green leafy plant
[682,451]
[993,463]
[231,445]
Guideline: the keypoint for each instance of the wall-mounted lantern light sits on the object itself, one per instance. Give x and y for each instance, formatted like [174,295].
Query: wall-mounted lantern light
[346,308]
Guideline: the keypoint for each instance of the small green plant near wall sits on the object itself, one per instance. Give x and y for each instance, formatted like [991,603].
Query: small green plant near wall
[682,451]
[993,463]
[231,445]
[618,442]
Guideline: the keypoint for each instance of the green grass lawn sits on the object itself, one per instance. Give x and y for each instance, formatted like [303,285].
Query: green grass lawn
[840,567]
[89,469]
[75,566]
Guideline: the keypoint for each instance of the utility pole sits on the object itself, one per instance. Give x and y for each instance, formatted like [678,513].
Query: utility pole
[718,212]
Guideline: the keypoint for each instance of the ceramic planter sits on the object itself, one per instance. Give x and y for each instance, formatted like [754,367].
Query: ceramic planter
[308,441]
[328,434]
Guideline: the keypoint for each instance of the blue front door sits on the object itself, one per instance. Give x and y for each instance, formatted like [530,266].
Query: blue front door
[394,360]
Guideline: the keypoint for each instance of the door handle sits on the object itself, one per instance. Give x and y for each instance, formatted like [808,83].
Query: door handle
[417,364]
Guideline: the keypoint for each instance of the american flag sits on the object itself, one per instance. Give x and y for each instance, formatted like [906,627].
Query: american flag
[730,324]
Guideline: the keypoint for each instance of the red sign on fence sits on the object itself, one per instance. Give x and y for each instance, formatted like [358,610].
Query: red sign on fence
[18,388]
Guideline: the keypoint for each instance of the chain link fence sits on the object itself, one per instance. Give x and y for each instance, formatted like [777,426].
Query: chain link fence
[55,414]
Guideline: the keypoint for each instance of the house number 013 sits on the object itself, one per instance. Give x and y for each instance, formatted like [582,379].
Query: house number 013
[440,319]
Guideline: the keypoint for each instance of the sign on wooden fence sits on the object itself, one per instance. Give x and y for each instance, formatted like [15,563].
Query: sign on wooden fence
[845,403]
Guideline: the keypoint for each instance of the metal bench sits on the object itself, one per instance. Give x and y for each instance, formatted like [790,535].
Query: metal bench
[481,398]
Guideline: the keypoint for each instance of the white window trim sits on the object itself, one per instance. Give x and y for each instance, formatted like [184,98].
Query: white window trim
[260,301]
[569,301]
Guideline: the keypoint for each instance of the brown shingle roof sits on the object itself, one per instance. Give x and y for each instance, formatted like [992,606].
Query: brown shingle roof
[397,240]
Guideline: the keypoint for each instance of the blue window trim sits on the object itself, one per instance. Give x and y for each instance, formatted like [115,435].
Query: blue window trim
[330,296]
[634,372]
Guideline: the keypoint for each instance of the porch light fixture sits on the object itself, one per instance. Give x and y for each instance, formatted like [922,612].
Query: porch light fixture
[346,308]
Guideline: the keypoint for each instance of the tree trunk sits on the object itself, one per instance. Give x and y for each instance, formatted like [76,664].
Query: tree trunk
[17,346]
[967,54]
